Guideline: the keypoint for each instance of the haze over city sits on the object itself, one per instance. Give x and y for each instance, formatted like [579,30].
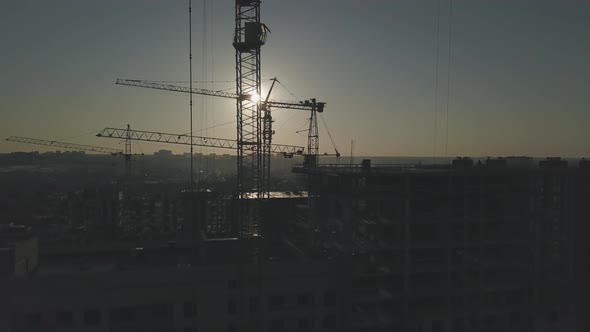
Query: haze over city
[518,72]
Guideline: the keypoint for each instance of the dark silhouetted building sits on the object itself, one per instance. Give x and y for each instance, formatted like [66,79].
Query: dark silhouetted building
[19,251]
[483,247]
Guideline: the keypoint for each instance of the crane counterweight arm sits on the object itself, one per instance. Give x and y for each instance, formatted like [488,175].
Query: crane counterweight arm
[175,88]
[65,145]
[305,105]
[150,136]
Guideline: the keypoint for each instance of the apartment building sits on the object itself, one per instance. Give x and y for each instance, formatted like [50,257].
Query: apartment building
[467,247]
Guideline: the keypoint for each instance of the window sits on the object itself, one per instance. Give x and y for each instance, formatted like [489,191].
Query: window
[305,299]
[277,302]
[64,319]
[515,317]
[553,316]
[277,325]
[161,311]
[329,298]
[92,317]
[329,322]
[253,304]
[458,325]
[122,315]
[33,319]
[231,307]
[371,329]
[189,309]
[438,326]
[305,323]
[417,327]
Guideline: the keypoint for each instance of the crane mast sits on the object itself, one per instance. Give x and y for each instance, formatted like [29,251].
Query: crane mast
[249,36]
[267,133]
[313,138]
[127,154]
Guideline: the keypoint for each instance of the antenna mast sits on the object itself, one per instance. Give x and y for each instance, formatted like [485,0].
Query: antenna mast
[190,70]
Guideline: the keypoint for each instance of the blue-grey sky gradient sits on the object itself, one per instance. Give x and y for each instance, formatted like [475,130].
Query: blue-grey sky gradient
[518,75]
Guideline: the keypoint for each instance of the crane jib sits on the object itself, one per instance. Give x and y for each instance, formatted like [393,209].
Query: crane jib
[307,105]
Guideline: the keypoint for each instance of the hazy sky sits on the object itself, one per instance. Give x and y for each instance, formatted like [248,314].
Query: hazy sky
[519,72]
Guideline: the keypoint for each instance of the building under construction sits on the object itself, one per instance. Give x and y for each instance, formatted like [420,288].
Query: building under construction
[495,246]
[492,246]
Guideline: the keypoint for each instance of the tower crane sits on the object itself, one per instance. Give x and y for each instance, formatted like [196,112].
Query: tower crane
[153,136]
[254,122]
[126,153]
[287,151]
[251,152]
[249,36]
[311,157]
[311,105]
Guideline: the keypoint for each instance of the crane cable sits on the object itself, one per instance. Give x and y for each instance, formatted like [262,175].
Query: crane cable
[284,122]
[304,127]
[92,132]
[449,76]
[192,186]
[289,91]
[436,77]
[202,81]
[448,92]
[184,82]
[329,134]
[139,147]
[204,101]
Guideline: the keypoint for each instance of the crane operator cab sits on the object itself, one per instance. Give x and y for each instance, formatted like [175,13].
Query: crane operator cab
[254,36]
[244,3]
[251,34]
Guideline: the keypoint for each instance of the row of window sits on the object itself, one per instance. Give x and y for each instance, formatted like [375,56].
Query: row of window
[127,314]
[276,302]
[92,317]
[64,319]
[303,300]
[328,322]
[118,315]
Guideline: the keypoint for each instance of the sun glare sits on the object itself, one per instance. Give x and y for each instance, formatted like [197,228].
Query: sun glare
[254,98]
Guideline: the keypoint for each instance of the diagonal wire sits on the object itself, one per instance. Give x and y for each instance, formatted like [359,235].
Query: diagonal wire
[139,146]
[80,135]
[289,91]
[436,77]
[215,126]
[449,76]
[303,127]
[328,131]
[184,82]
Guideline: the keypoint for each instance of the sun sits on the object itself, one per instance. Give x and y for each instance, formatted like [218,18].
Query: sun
[254,97]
